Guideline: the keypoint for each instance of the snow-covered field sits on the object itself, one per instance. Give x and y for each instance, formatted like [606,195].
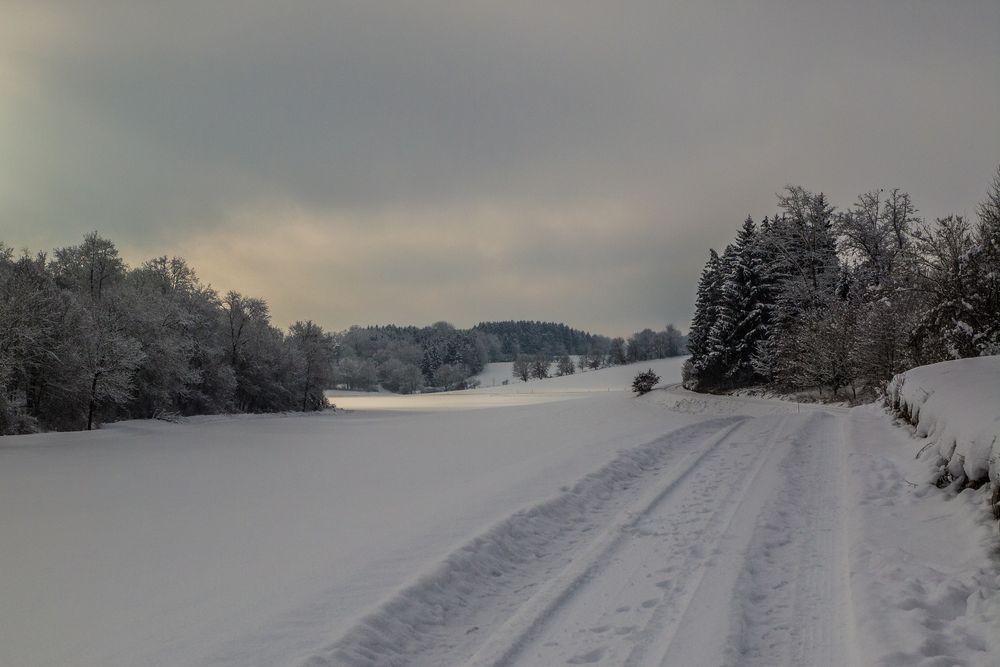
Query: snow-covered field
[570,524]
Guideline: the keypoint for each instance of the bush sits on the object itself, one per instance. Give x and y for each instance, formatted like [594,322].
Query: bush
[644,382]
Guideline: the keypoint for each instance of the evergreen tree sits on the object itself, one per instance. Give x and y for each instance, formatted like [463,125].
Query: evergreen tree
[746,302]
[706,307]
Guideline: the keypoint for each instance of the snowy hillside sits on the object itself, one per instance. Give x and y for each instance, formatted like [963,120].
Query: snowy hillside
[494,374]
[612,378]
[956,404]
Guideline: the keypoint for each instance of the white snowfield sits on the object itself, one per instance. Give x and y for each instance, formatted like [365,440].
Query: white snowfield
[957,405]
[564,526]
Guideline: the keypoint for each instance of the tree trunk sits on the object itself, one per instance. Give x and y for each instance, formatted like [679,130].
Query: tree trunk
[92,405]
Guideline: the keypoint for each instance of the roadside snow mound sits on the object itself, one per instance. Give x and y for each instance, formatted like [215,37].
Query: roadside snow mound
[957,405]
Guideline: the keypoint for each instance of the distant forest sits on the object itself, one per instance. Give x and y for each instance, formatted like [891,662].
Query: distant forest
[842,301]
[441,357]
[86,339]
[548,338]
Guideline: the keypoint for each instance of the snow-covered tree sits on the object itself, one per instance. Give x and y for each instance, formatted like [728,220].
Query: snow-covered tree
[616,353]
[745,303]
[565,366]
[522,367]
[540,364]
[91,268]
[107,360]
[312,364]
[706,307]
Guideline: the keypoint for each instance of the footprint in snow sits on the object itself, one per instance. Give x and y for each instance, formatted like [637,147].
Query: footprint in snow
[649,603]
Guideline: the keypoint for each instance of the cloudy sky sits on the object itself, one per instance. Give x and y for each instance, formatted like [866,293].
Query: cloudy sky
[370,162]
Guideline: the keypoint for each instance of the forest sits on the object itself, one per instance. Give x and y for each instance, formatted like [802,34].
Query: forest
[813,298]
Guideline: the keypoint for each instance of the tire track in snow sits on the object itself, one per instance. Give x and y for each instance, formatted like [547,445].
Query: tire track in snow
[529,622]
[438,619]
[792,604]
[694,613]
[629,607]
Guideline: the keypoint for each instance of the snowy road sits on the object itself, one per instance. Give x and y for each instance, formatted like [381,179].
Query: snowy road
[724,545]
[582,527]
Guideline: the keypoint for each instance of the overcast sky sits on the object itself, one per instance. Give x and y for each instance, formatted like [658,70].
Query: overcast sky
[372,162]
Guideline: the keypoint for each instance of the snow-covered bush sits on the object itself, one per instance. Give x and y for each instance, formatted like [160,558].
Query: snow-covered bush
[644,382]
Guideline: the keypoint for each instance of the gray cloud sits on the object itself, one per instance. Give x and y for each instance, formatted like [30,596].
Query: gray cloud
[464,161]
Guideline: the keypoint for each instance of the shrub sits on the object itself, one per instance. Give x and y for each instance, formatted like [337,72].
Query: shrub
[644,382]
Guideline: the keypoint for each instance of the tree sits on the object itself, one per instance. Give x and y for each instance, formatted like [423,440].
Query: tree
[746,301]
[644,382]
[522,367]
[356,374]
[400,376]
[947,274]
[616,353]
[107,360]
[985,298]
[593,360]
[540,366]
[91,268]
[668,343]
[312,354]
[565,366]
[450,376]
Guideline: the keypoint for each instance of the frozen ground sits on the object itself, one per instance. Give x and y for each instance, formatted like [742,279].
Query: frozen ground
[570,525]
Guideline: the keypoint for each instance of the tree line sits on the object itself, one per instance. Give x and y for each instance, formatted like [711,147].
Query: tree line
[407,359]
[551,339]
[86,339]
[816,298]
[441,357]
[641,346]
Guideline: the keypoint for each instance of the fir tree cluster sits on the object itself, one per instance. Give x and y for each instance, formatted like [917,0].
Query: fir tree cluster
[816,298]
[551,339]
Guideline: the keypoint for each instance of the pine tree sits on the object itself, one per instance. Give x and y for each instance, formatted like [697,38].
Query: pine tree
[706,307]
[706,313]
[747,298]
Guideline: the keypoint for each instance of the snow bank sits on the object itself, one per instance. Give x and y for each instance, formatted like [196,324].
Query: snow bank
[957,405]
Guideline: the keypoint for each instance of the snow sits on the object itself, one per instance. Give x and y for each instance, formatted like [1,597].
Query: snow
[612,378]
[567,524]
[252,540]
[925,579]
[957,405]
[495,374]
